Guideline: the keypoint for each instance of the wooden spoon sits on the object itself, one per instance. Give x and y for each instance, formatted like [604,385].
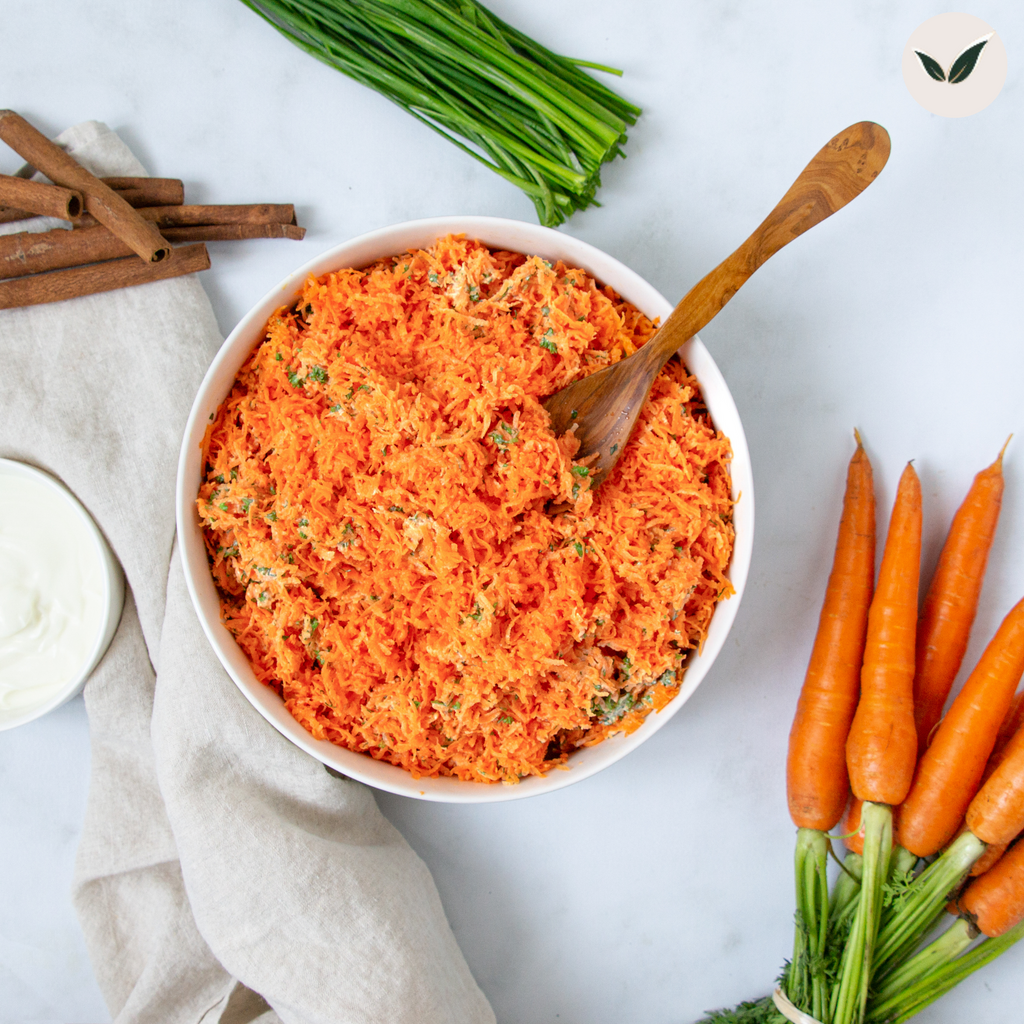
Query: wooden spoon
[604,406]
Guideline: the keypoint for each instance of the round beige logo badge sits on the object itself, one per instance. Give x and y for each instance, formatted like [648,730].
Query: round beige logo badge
[954,65]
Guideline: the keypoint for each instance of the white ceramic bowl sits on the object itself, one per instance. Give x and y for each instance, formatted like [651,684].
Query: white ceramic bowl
[515,236]
[111,599]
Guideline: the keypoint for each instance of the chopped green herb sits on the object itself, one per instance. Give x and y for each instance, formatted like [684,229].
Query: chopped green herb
[505,435]
[608,710]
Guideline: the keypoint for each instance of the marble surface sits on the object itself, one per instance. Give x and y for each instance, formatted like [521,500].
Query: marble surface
[661,887]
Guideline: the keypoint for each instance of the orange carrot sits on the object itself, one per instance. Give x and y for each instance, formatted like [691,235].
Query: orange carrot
[996,899]
[881,750]
[950,770]
[817,784]
[1011,723]
[952,599]
[988,860]
[853,837]
[996,813]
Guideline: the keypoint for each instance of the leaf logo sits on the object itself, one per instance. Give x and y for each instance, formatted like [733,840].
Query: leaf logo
[961,67]
[981,64]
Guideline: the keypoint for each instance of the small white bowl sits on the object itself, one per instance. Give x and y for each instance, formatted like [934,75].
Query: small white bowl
[111,598]
[495,232]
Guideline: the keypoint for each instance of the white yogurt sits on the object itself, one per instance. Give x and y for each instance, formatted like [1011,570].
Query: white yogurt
[52,594]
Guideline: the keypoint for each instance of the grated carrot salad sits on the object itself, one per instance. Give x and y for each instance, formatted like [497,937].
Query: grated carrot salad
[377,506]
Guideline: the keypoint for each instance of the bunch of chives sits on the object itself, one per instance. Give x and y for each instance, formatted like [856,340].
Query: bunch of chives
[528,114]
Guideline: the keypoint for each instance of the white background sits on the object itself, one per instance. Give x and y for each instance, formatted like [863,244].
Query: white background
[661,887]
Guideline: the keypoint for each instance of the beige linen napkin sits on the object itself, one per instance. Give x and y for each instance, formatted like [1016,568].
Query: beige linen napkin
[217,860]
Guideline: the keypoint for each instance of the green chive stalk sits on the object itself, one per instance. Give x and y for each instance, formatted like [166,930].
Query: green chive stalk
[806,984]
[850,992]
[529,115]
[924,902]
[903,1005]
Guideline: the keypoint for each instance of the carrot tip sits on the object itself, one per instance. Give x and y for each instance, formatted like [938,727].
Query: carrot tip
[860,443]
[999,461]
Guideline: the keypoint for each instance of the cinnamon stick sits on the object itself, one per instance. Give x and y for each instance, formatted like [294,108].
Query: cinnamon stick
[253,213]
[134,191]
[37,252]
[99,277]
[231,232]
[194,216]
[100,200]
[9,213]
[39,199]
[148,191]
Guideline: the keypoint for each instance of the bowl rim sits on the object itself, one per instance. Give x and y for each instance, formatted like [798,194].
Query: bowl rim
[113,591]
[496,232]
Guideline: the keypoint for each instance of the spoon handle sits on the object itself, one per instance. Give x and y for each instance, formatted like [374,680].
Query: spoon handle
[838,173]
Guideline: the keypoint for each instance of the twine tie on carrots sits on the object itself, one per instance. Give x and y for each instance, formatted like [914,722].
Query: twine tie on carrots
[789,1011]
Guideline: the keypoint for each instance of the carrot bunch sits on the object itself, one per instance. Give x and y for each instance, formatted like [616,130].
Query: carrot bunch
[929,799]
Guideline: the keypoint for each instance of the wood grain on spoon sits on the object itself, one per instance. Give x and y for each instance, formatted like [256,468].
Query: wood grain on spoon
[604,406]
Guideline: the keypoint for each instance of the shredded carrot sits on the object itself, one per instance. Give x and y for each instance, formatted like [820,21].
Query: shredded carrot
[377,506]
